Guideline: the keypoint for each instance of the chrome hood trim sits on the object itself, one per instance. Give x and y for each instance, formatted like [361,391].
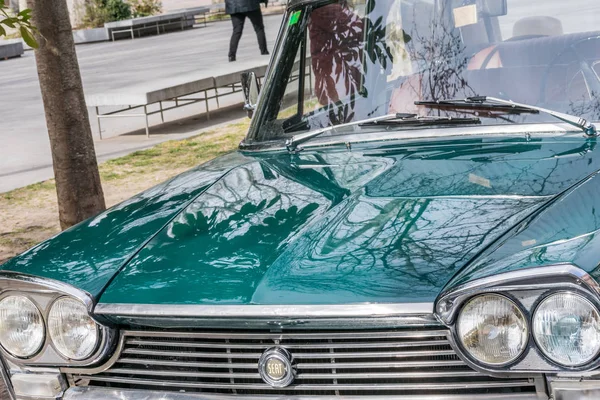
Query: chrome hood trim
[348,316]
[362,310]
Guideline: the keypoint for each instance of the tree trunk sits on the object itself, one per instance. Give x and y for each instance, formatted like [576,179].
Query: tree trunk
[78,183]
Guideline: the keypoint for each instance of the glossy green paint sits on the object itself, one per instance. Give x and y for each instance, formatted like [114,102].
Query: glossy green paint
[89,254]
[565,232]
[385,222]
[391,223]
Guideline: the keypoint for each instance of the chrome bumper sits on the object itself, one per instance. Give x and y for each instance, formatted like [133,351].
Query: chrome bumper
[575,389]
[561,390]
[117,394]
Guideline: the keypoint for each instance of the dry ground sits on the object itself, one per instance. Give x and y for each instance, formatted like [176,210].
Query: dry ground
[30,215]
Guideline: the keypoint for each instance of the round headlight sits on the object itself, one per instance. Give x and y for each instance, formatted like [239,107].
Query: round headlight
[566,328]
[73,332]
[22,330]
[492,329]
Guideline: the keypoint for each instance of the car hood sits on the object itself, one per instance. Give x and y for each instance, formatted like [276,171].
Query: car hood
[382,222]
[88,255]
[389,223]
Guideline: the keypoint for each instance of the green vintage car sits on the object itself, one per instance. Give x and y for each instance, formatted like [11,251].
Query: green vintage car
[412,215]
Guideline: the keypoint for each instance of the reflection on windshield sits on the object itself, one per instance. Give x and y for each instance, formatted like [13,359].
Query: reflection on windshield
[369,58]
[335,63]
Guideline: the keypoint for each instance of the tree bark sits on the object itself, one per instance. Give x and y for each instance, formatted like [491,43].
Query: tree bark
[78,183]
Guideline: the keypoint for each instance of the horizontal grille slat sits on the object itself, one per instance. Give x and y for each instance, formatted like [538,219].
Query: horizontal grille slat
[357,375]
[391,334]
[388,375]
[120,371]
[186,364]
[289,346]
[191,354]
[385,354]
[383,364]
[377,387]
[395,362]
[346,365]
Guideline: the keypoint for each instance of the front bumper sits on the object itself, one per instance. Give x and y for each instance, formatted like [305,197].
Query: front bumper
[575,389]
[559,389]
[118,394]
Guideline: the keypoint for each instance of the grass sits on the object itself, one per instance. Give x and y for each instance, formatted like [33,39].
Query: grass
[218,16]
[173,155]
[30,214]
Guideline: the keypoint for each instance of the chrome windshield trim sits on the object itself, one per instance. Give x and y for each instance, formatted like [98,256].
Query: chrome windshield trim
[90,393]
[525,130]
[538,130]
[360,310]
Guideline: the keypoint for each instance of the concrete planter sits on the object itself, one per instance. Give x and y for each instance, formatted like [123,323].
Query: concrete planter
[11,48]
[90,35]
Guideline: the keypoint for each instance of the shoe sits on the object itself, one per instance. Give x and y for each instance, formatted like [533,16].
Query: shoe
[265,53]
[231,58]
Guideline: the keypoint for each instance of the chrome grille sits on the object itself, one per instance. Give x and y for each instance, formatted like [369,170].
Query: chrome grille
[328,363]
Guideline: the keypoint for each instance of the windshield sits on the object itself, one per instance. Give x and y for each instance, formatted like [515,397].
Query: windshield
[347,61]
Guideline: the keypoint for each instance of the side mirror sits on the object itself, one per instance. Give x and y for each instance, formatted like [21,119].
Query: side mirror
[251,90]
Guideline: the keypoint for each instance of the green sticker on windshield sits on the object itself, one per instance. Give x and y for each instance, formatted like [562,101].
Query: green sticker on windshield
[295,17]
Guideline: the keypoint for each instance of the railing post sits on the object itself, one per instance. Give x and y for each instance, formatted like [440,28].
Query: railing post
[147,123]
[99,125]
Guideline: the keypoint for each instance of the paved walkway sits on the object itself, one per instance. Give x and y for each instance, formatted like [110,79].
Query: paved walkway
[24,147]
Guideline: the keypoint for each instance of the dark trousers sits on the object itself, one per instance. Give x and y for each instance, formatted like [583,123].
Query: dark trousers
[238,26]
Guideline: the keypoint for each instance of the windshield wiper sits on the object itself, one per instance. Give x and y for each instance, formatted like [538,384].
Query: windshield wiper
[495,104]
[385,120]
[472,103]
[414,120]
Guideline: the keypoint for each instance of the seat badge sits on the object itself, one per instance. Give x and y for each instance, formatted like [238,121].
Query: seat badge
[275,367]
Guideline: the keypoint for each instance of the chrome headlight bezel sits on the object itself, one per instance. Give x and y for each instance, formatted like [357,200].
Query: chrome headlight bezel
[527,288]
[43,293]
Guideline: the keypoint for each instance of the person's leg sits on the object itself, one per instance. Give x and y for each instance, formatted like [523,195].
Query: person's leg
[238,26]
[259,28]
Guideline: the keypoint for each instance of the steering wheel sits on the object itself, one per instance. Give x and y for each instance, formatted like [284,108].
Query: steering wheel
[589,75]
